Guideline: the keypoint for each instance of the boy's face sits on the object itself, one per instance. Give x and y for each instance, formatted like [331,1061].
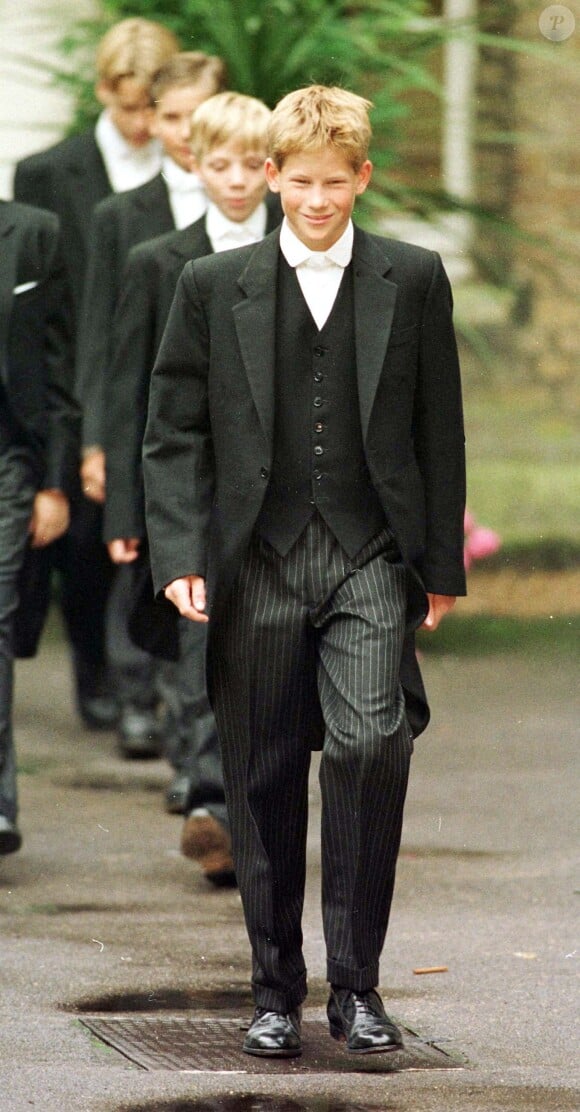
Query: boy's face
[318,190]
[171,121]
[129,109]
[234,179]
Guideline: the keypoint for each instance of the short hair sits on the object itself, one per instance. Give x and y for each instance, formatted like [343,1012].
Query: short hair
[226,117]
[134,48]
[318,117]
[189,67]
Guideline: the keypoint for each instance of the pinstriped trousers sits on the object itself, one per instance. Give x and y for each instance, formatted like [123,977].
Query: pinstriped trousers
[307,656]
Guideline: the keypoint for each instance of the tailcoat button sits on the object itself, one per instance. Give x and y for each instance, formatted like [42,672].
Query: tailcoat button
[265,474]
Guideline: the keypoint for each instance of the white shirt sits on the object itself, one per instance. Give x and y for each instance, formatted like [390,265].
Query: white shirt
[126,166]
[224,234]
[318,272]
[187,197]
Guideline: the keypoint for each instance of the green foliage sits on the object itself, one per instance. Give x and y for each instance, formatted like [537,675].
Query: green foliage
[379,47]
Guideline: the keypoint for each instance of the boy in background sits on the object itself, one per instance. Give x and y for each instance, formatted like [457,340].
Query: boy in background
[228,141]
[69,179]
[39,433]
[174,198]
[305,489]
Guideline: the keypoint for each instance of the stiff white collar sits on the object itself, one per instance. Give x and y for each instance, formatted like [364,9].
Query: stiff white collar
[297,253]
[218,227]
[179,180]
[115,148]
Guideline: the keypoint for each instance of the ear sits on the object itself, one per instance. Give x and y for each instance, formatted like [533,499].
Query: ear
[272,175]
[104,93]
[364,177]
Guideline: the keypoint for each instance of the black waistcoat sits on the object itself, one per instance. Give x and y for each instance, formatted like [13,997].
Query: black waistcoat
[318,460]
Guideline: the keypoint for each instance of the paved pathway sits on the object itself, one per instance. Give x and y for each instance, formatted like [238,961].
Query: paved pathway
[100,914]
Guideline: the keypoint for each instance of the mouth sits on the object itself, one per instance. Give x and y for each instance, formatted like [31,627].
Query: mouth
[317,219]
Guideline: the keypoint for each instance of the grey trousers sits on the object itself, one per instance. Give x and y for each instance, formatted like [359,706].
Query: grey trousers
[17,489]
[191,738]
[307,655]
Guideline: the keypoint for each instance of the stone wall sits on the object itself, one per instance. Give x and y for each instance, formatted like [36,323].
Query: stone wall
[546,203]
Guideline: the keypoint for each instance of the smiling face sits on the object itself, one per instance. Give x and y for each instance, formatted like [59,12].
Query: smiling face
[318,190]
[171,121]
[234,179]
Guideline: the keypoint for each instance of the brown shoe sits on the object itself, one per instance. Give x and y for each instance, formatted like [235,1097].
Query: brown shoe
[207,841]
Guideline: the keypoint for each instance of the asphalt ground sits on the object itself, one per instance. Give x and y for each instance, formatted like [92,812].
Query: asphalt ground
[100,915]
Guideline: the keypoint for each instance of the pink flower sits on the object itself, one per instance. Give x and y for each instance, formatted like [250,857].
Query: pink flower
[479,541]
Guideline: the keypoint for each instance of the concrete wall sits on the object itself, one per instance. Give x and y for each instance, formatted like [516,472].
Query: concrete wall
[33,112]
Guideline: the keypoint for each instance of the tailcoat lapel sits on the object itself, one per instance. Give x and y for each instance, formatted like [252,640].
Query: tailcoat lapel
[255,319]
[374,305]
[8,272]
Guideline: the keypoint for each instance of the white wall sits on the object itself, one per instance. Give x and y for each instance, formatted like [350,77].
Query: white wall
[33,113]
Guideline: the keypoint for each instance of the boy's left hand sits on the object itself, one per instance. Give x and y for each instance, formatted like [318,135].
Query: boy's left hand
[50,517]
[439,606]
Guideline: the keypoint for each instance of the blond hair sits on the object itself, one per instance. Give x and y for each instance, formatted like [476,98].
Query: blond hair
[134,48]
[318,117]
[191,67]
[229,117]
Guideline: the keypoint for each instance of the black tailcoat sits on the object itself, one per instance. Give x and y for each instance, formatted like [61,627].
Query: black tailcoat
[118,223]
[208,445]
[69,179]
[36,378]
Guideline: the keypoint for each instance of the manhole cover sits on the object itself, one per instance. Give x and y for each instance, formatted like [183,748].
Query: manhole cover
[214,1045]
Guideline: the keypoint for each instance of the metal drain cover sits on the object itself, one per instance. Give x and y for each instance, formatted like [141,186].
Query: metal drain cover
[208,1045]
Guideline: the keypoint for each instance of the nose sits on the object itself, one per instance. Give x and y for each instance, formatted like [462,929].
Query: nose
[185,128]
[141,121]
[317,197]
[237,175]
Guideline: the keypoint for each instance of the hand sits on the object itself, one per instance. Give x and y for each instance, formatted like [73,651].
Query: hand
[93,475]
[50,517]
[439,606]
[124,550]
[188,595]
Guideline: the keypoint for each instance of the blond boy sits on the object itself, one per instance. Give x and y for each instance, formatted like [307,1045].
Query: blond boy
[304,476]
[69,179]
[228,141]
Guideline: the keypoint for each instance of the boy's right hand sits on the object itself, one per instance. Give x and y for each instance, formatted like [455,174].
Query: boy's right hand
[93,474]
[124,550]
[188,595]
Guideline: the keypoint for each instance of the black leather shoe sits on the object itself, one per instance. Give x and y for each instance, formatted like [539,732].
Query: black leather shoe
[361,1020]
[139,733]
[98,712]
[274,1035]
[177,794]
[10,836]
